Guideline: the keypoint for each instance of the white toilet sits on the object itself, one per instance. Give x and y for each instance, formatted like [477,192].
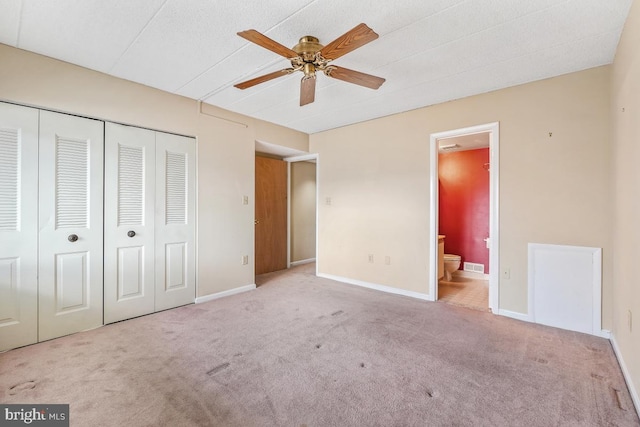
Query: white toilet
[451,264]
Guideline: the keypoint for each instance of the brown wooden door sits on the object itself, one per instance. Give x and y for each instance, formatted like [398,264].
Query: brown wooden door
[271,215]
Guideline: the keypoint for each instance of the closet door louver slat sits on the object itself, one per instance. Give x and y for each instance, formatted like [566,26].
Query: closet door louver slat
[9,180]
[72,182]
[176,188]
[131,182]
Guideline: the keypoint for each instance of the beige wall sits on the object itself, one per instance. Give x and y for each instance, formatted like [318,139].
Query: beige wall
[268,132]
[225,144]
[552,189]
[625,112]
[303,211]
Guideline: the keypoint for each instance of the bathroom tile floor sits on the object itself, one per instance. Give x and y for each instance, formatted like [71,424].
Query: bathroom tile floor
[465,292]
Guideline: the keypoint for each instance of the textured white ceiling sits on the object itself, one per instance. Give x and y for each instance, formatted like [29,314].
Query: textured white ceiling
[465,142]
[428,51]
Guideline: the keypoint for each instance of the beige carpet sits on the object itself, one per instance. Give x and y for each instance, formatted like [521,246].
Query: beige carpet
[303,351]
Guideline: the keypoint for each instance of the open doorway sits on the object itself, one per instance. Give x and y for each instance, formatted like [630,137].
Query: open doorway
[464,211]
[286,193]
[303,210]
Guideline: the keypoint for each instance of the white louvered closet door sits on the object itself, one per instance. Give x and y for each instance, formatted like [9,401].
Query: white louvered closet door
[129,285]
[71,219]
[175,220]
[18,226]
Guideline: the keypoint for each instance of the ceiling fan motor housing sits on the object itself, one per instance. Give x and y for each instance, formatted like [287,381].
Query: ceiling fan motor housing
[307,48]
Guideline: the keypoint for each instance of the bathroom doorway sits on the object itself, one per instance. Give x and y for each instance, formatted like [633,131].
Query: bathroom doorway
[464,200]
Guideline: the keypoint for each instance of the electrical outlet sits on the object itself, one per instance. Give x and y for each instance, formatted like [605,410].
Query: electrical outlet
[630,320]
[245,200]
[506,273]
[371,258]
[245,259]
[387,260]
[328,201]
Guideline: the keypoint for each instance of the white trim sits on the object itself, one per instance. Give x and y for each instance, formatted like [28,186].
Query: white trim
[494,204]
[301,158]
[625,373]
[375,286]
[596,289]
[303,261]
[514,315]
[197,225]
[317,212]
[223,294]
[471,275]
[289,215]
[494,216]
[603,333]
[433,221]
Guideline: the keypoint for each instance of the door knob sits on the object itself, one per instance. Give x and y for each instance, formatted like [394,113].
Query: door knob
[131,233]
[72,237]
[256,221]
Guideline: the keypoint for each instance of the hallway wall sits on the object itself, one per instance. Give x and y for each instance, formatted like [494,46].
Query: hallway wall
[303,211]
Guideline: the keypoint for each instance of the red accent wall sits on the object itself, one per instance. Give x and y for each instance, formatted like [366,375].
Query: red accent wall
[464,204]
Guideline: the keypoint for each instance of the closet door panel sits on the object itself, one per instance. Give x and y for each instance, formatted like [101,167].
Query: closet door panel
[18,226]
[175,220]
[71,224]
[129,222]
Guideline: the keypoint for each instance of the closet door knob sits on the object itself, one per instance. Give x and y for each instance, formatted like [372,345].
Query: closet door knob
[131,233]
[72,237]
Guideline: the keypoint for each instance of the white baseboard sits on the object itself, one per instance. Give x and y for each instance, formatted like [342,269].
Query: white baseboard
[470,275]
[526,318]
[223,294]
[377,287]
[625,373]
[514,315]
[303,261]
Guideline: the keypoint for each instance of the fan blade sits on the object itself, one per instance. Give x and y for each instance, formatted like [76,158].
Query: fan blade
[307,90]
[351,40]
[262,79]
[355,77]
[267,43]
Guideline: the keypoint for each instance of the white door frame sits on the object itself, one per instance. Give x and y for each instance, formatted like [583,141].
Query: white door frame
[494,253]
[289,160]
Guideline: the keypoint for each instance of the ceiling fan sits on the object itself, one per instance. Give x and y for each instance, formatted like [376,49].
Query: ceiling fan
[309,56]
